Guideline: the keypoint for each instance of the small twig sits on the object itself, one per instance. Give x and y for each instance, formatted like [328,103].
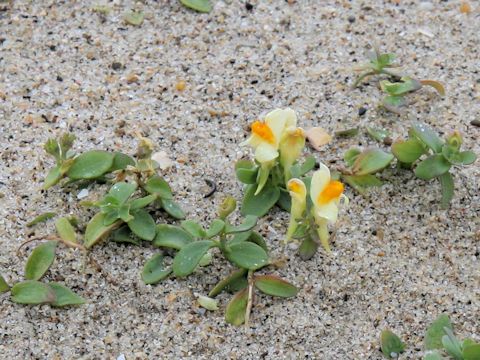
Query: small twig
[51,237]
[248,310]
[213,188]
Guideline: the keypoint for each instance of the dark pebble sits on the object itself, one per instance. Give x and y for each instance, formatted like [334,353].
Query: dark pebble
[388,141]
[116,66]
[248,6]
[59,78]
[475,123]
[53,47]
[362,111]
[351,19]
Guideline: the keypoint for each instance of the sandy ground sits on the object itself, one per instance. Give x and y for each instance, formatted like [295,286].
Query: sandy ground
[398,260]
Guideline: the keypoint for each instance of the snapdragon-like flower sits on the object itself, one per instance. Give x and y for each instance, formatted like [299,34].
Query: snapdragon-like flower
[291,147]
[325,194]
[298,193]
[265,139]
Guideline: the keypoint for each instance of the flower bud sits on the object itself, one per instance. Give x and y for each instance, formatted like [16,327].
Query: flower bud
[228,205]
[455,140]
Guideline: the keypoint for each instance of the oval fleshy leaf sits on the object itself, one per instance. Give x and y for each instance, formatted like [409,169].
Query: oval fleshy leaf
[96,230]
[433,355]
[189,256]
[408,151]
[307,248]
[258,239]
[436,85]
[121,161]
[142,202]
[284,201]
[260,204]
[41,218]
[235,311]
[362,182]
[446,182]
[247,255]
[249,223]
[246,171]
[171,236]
[202,6]
[142,225]
[90,165]
[40,260]
[426,135]
[193,228]
[228,281]
[432,167]
[207,303]
[172,209]
[467,157]
[124,235]
[158,186]
[275,286]
[65,230]
[32,292]
[121,191]
[4,287]
[53,177]
[154,270]
[350,156]
[377,134]
[64,296]
[391,344]
[371,161]
[435,332]
[471,352]
[134,18]
[215,228]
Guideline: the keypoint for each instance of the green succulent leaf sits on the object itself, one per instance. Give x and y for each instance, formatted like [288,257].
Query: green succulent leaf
[471,351]
[452,345]
[207,303]
[216,227]
[446,182]
[228,281]
[158,186]
[142,202]
[435,332]
[134,18]
[307,248]
[189,256]
[142,225]
[193,228]
[394,103]
[371,161]
[275,286]
[258,239]
[53,177]
[32,292]
[65,230]
[41,218]
[121,161]
[248,223]
[96,230]
[347,133]
[246,171]
[171,236]
[90,165]
[247,255]
[172,209]
[433,355]
[391,344]
[40,260]
[408,151]
[350,156]
[426,135]
[64,296]
[202,6]
[124,235]
[235,311]
[405,86]
[4,287]
[468,157]
[299,170]
[435,84]
[154,270]
[362,182]
[260,204]
[377,134]
[122,191]
[432,167]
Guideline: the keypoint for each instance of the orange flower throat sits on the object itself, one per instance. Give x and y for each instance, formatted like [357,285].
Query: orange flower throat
[332,191]
[263,130]
[294,187]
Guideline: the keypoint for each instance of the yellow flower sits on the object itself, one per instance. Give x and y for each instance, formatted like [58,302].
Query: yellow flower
[298,193]
[325,194]
[265,139]
[291,147]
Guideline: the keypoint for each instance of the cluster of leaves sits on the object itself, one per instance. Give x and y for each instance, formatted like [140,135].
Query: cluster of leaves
[32,291]
[274,191]
[399,87]
[441,156]
[239,244]
[438,338]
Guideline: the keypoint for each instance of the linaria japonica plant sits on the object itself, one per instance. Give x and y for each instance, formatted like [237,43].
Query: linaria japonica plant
[278,143]
[378,64]
[239,244]
[440,157]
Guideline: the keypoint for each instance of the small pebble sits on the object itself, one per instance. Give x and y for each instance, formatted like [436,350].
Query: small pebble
[465,8]
[82,194]
[362,111]
[181,85]
[249,6]
[351,19]
[475,123]
[116,66]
